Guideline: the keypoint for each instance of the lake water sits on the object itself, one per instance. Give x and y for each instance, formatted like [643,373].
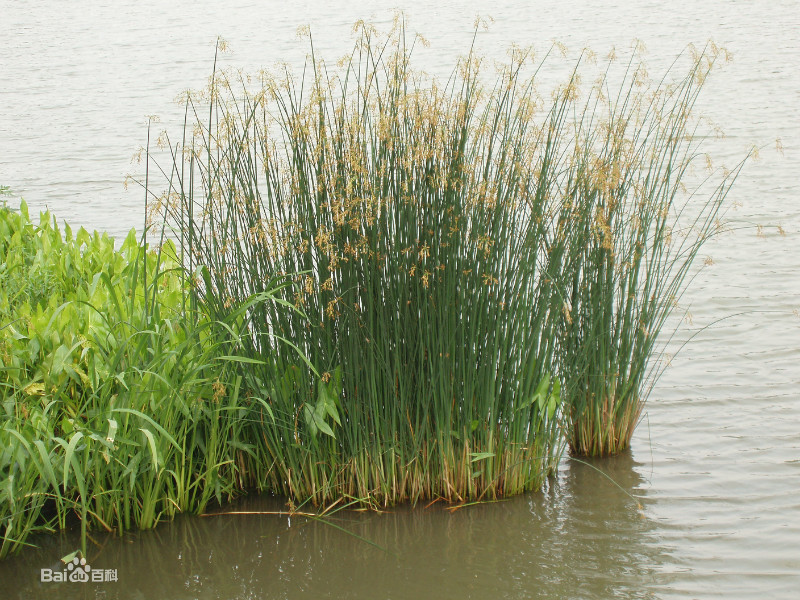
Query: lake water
[715,465]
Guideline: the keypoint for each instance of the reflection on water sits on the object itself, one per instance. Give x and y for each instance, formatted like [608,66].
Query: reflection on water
[584,536]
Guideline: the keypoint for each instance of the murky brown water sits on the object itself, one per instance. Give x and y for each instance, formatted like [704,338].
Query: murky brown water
[716,463]
[526,547]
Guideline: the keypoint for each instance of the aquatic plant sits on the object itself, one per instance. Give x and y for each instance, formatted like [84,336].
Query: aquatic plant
[382,289]
[413,217]
[634,230]
[115,411]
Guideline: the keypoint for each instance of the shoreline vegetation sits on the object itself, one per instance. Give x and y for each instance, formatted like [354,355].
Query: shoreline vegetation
[368,287]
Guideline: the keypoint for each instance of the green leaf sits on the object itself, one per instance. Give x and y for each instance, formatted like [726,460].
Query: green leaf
[60,358]
[121,378]
[556,393]
[541,391]
[71,460]
[476,456]
[336,384]
[47,467]
[242,359]
[132,469]
[551,407]
[334,414]
[327,401]
[152,443]
[319,419]
[323,427]
[309,417]
[68,558]
[158,427]
[315,419]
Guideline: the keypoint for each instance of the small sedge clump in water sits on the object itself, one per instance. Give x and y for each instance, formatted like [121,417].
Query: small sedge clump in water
[633,232]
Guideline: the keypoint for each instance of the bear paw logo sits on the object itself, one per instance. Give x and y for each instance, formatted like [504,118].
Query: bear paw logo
[78,570]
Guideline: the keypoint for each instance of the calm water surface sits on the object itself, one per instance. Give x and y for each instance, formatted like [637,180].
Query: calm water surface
[715,466]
